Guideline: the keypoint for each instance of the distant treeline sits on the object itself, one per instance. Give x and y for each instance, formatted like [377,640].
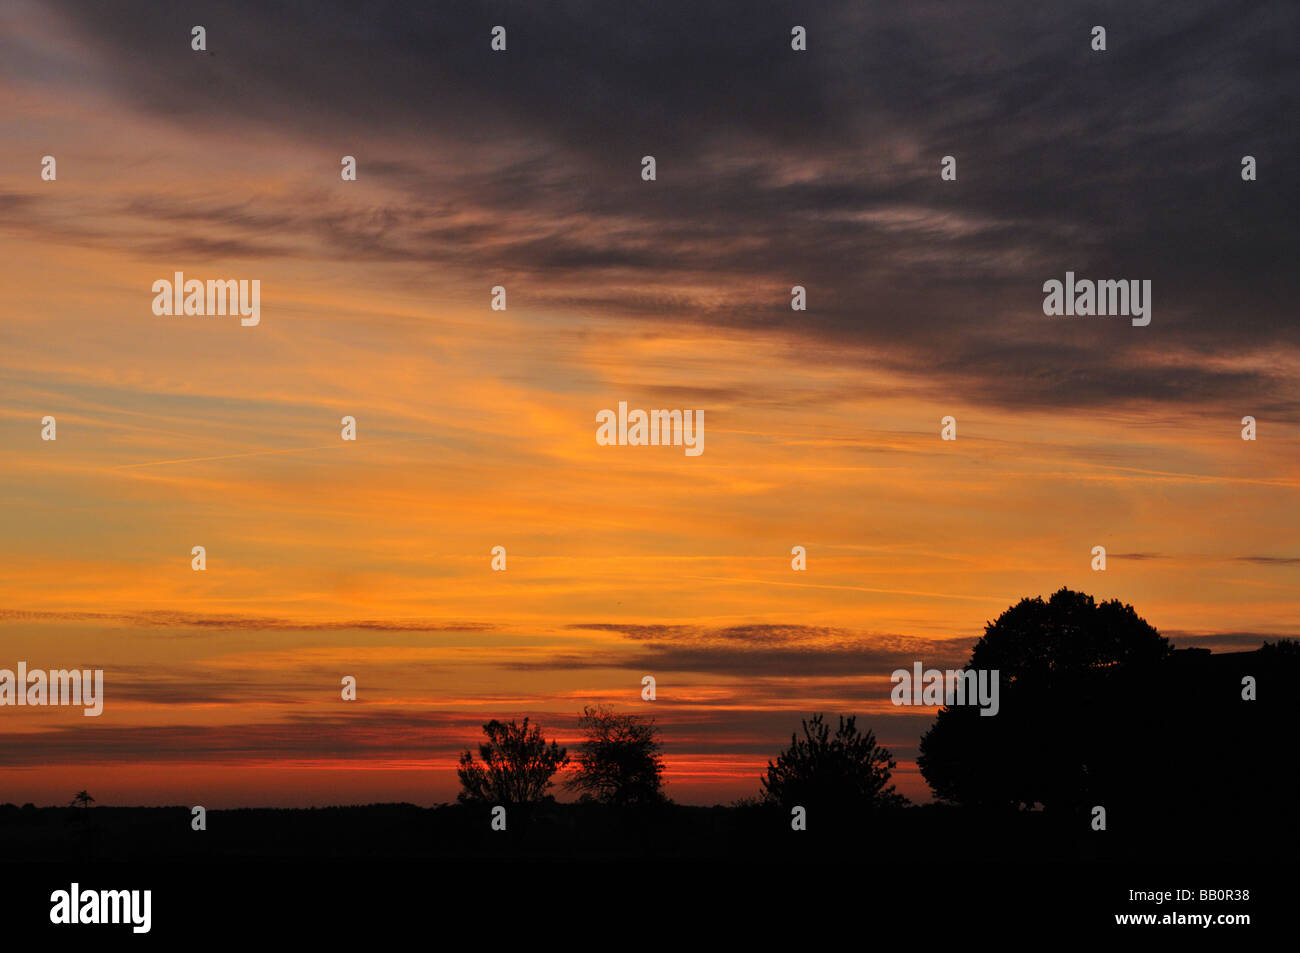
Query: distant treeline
[1106,743]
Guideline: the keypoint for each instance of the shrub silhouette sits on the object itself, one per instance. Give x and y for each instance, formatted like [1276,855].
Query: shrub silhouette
[517,765]
[847,771]
[619,763]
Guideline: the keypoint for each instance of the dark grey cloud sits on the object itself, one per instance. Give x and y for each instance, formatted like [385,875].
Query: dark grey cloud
[767,654]
[207,690]
[1221,641]
[358,734]
[186,620]
[778,168]
[748,662]
[759,651]
[380,735]
[752,634]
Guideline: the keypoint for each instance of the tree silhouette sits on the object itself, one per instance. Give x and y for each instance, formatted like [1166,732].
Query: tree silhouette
[619,762]
[1280,651]
[846,772]
[517,765]
[82,799]
[1072,677]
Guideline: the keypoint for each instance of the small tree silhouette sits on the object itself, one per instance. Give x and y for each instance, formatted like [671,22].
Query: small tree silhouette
[517,765]
[847,771]
[82,799]
[620,762]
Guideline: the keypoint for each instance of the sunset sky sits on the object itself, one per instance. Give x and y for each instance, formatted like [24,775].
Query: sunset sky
[476,427]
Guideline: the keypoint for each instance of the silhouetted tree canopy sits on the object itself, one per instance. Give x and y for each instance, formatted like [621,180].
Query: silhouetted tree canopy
[846,771]
[1072,673]
[619,762]
[517,765]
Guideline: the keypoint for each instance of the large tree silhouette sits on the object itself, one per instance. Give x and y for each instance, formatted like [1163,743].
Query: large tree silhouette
[619,762]
[1074,680]
[517,765]
[846,771]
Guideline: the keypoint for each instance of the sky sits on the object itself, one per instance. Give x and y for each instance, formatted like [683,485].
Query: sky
[476,427]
